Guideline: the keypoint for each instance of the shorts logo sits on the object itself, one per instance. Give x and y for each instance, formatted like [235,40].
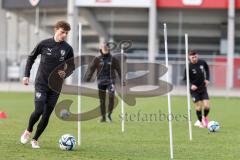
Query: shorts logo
[38,95]
[194,99]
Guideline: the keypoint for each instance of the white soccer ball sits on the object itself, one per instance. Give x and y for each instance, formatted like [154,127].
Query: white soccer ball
[213,126]
[67,142]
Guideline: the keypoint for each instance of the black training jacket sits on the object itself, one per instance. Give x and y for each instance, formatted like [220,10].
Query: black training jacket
[52,54]
[106,66]
[198,73]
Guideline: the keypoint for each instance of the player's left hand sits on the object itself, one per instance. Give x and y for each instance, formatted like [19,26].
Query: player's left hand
[62,73]
[206,82]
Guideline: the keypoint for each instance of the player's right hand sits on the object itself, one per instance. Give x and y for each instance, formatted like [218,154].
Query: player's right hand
[194,87]
[206,82]
[26,81]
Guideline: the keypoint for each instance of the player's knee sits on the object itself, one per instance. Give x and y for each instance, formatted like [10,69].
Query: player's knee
[50,109]
[206,104]
[111,101]
[46,116]
[37,113]
[111,96]
[198,106]
[206,107]
[44,121]
[38,109]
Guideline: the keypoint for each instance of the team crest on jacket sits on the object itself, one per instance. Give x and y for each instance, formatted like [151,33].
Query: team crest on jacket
[62,53]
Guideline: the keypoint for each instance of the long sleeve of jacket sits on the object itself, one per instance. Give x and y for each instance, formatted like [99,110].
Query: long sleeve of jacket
[31,59]
[70,63]
[206,68]
[91,69]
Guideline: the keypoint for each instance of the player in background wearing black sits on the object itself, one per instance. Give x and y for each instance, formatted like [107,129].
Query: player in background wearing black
[54,52]
[199,80]
[106,65]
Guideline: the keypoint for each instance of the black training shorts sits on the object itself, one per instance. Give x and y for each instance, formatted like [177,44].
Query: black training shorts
[199,95]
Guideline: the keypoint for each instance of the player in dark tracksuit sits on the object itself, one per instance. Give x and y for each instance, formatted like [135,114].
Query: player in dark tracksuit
[54,52]
[199,80]
[106,65]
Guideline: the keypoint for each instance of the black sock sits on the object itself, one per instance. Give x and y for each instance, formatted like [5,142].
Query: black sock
[206,111]
[199,115]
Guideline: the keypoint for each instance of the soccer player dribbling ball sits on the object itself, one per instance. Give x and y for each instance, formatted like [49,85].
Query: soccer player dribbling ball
[199,80]
[54,52]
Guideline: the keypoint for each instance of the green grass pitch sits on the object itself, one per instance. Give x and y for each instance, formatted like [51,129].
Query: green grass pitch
[145,137]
